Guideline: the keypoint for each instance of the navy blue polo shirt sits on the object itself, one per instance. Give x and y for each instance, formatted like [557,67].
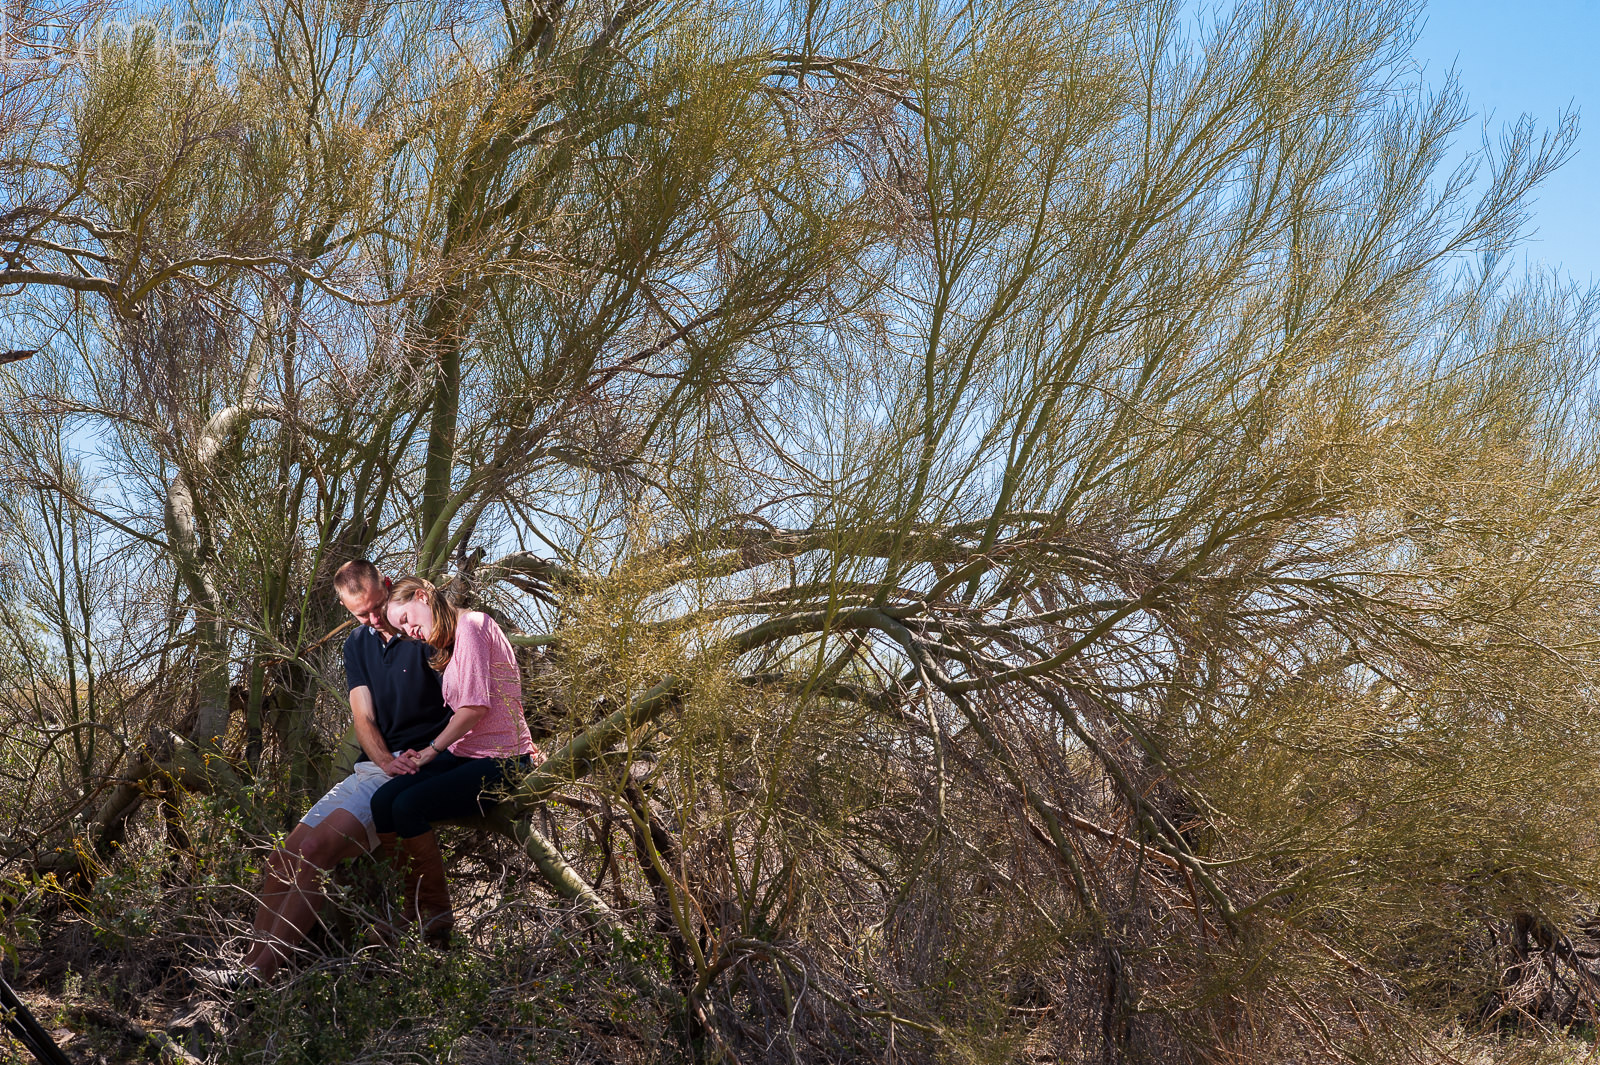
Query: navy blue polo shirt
[406,700]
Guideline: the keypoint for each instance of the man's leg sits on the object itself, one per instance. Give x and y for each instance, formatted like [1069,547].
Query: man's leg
[290,903]
[275,887]
[279,878]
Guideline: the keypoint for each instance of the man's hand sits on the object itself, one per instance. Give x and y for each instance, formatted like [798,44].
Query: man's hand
[401,764]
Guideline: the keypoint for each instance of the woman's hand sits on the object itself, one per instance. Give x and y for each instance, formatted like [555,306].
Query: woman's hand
[422,756]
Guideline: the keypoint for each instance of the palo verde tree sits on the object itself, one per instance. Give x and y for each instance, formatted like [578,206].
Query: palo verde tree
[1046,532]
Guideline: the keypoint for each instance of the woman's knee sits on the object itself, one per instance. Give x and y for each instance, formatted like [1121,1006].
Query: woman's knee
[409,814]
[383,803]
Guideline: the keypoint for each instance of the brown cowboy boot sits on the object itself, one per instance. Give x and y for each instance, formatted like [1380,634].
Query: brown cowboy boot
[386,849]
[427,895]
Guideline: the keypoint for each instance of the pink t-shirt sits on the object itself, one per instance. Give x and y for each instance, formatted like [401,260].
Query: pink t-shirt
[483,672]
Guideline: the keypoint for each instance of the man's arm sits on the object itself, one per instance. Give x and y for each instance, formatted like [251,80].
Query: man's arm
[366,724]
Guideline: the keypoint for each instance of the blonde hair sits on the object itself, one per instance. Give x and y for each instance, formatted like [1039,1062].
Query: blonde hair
[443,637]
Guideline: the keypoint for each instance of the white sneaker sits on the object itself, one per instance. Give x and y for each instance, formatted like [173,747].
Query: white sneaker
[225,977]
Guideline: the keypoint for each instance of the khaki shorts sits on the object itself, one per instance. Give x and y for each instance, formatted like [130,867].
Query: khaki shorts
[353,794]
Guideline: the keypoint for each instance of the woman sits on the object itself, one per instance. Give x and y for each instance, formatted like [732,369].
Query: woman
[462,771]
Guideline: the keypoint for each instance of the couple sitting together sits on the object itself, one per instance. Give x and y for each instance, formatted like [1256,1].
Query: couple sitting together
[437,701]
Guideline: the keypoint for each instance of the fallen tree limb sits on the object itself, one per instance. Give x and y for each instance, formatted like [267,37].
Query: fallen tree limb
[570,884]
[20,1022]
[573,759]
[557,871]
[166,755]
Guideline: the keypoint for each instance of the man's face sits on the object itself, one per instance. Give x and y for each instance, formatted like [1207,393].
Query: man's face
[366,605]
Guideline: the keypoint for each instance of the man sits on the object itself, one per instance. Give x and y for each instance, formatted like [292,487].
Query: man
[397,707]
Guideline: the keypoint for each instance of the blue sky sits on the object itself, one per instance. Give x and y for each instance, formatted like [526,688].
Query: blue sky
[1536,57]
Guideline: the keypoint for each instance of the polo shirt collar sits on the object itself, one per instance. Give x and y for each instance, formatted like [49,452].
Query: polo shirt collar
[384,641]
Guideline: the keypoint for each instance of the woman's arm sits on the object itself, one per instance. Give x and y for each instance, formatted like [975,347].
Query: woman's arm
[468,681]
[461,722]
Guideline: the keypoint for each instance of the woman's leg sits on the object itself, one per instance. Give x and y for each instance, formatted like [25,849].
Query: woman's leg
[456,791]
[383,799]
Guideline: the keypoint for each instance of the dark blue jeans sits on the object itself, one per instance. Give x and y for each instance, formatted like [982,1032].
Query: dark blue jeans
[446,788]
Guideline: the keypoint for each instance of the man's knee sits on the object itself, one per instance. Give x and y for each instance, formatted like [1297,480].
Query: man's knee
[326,845]
[282,862]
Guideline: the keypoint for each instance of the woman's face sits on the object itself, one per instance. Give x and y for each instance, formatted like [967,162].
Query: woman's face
[415,618]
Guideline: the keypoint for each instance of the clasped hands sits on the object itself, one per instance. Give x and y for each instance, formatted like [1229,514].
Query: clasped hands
[410,761]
